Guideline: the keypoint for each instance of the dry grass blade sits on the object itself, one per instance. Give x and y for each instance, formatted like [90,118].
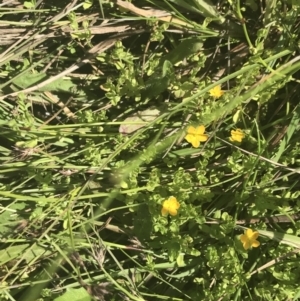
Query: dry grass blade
[274,261]
[161,15]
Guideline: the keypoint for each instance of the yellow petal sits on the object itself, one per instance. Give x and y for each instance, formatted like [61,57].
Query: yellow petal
[164,211]
[193,140]
[200,130]
[170,206]
[245,241]
[237,138]
[244,238]
[237,135]
[172,199]
[191,130]
[246,245]
[240,132]
[189,138]
[216,92]
[173,211]
[254,235]
[255,243]
[173,202]
[165,205]
[249,233]
[202,138]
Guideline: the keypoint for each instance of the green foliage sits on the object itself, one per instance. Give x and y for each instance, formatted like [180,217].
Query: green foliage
[82,197]
[29,79]
[10,215]
[74,294]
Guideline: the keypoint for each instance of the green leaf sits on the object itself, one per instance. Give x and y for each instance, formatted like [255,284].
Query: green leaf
[74,295]
[289,133]
[183,152]
[167,68]
[203,7]
[287,239]
[12,252]
[180,260]
[28,4]
[236,116]
[123,185]
[158,82]
[143,223]
[208,10]
[297,295]
[7,217]
[27,144]
[186,48]
[22,251]
[87,4]
[29,79]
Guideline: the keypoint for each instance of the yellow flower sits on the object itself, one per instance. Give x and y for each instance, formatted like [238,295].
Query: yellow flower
[216,92]
[196,135]
[170,206]
[237,136]
[248,239]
